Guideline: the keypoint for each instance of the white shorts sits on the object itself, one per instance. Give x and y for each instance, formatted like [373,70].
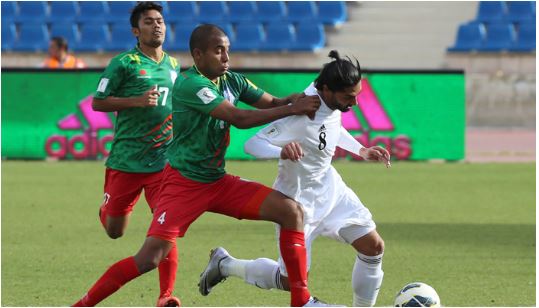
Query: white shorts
[347,221]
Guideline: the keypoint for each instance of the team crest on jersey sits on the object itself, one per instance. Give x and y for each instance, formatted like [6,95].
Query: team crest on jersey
[173,75]
[229,96]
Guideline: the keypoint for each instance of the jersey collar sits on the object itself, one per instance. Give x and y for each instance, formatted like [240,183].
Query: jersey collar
[145,55]
[217,83]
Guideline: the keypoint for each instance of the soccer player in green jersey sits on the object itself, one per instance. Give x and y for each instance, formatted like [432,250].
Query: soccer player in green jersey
[137,85]
[195,180]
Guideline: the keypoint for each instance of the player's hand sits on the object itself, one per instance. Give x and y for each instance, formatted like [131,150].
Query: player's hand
[376,153]
[149,98]
[292,151]
[307,105]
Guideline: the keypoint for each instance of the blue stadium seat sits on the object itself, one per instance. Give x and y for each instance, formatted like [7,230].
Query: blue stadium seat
[212,11]
[491,11]
[63,10]
[520,11]
[500,36]
[469,37]
[9,11]
[309,37]
[93,37]
[121,38]
[270,11]
[240,11]
[9,35]
[525,38]
[182,12]
[333,13]
[249,36]
[32,11]
[32,37]
[120,10]
[182,33]
[303,11]
[279,37]
[67,30]
[93,11]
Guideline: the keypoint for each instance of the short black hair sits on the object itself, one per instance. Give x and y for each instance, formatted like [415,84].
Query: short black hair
[200,37]
[60,42]
[339,74]
[142,7]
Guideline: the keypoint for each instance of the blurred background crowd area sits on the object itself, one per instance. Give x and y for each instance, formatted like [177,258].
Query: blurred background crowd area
[492,42]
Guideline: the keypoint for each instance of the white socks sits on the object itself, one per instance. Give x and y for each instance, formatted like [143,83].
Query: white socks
[263,272]
[366,279]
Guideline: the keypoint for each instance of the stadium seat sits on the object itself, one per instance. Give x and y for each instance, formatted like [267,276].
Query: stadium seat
[500,36]
[270,11]
[212,11]
[491,11]
[32,37]
[249,36]
[525,38]
[240,11]
[334,13]
[9,35]
[181,12]
[120,10]
[469,37]
[93,37]
[304,11]
[9,11]
[279,37]
[520,11]
[309,37]
[93,11]
[32,11]
[121,38]
[67,30]
[63,11]
[182,33]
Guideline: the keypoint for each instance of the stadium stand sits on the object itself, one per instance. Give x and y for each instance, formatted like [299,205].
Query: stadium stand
[228,14]
[249,36]
[497,28]
[279,37]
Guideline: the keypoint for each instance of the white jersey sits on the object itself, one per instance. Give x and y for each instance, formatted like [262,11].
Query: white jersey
[330,208]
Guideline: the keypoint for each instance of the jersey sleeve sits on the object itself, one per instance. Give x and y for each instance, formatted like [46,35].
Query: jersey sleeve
[111,79]
[284,131]
[197,93]
[250,93]
[349,143]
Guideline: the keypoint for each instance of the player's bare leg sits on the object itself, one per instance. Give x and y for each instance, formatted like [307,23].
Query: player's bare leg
[115,226]
[367,274]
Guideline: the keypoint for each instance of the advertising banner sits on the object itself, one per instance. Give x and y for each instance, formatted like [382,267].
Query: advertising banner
[417,115]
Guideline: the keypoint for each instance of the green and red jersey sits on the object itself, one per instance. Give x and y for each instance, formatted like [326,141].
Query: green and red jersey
[200,141]
[141,135]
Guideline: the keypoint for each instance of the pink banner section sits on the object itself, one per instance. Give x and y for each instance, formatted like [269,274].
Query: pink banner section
[371,108]
[70,122]
[350,121]
[96,120]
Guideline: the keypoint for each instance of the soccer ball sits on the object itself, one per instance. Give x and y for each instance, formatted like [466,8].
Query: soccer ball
[417,294]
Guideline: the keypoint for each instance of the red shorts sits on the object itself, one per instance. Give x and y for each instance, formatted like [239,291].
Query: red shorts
[183,200]
[122,190]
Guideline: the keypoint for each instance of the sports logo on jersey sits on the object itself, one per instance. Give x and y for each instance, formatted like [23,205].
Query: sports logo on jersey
[102,85]
[322,128]
[173,75]
[271,132]
[373,118]
[206,95]
[86,134]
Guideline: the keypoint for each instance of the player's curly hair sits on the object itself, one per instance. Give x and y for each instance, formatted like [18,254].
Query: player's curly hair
[142,7]
[339,74]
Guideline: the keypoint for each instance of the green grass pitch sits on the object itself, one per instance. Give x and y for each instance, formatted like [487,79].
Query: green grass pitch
[468,230]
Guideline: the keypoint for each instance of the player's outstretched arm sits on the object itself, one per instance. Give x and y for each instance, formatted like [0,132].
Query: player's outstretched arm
[242,118]
[350,144]
[112,103]
[269,101]
[261,148]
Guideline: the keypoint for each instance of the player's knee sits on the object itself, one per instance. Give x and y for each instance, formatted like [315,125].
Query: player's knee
[114,233]
[146,264]
[293,214]
[376,247]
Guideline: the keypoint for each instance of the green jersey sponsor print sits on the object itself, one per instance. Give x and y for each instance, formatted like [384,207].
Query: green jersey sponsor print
[141,135]
[200,141]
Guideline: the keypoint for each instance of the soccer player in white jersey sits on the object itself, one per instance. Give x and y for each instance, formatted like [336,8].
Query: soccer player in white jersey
[331,208]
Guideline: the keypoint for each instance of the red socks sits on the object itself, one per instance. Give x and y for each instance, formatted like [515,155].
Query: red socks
[167,272]
[294,254]
[114,278]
